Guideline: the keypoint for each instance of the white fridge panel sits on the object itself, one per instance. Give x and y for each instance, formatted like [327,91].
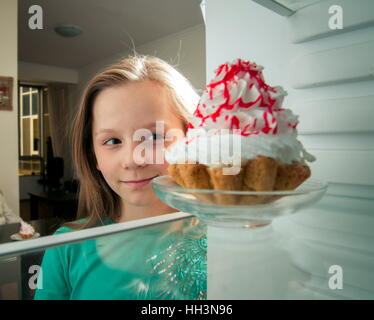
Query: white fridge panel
[293,258]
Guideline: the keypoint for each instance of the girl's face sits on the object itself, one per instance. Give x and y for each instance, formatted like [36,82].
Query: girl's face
[118,113]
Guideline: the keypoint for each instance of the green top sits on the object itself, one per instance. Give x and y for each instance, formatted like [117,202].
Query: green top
[147,263]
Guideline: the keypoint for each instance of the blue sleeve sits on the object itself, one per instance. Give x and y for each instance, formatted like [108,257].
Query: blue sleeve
[53,281]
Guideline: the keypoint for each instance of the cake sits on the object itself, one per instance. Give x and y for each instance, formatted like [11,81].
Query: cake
[240,138]
[26,231]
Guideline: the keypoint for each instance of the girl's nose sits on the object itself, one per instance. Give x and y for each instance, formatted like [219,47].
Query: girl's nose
[132,157]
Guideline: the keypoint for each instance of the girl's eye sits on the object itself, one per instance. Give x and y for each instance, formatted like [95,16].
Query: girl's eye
[112,141]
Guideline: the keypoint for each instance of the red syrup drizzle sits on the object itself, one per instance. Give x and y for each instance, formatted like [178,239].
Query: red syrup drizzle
[264,100]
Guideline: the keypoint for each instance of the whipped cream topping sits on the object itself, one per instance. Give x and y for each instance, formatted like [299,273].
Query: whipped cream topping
[228,149]
[26,228]
[238,111]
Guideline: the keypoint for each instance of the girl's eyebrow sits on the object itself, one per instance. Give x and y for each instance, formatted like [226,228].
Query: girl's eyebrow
[104,131]
[148,125]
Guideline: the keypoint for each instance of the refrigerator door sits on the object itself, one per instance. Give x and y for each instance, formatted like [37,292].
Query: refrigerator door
[321,54]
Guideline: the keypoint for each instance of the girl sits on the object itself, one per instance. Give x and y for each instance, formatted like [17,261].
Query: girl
[128,98]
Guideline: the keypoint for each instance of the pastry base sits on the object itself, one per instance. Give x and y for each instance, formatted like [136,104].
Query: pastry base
[259,174]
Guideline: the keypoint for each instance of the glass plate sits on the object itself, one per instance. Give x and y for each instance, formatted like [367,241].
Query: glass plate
[247,209]
[17,237]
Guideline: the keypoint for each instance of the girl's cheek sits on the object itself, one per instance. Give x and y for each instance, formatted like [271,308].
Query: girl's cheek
[103,159]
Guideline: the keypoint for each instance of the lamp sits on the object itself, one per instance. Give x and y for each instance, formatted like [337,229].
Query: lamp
[68,30]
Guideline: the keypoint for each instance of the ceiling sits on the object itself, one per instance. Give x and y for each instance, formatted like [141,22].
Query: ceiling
[107,27]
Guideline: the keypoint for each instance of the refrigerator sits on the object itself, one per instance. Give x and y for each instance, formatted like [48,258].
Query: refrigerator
[321,53]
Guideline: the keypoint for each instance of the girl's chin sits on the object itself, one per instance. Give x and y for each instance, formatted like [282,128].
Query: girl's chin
[140,199]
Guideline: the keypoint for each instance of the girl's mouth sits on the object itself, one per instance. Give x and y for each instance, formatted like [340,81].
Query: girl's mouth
[138,183]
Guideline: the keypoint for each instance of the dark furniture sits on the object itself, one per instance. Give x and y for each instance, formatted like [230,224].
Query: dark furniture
[62,204]
[6,230]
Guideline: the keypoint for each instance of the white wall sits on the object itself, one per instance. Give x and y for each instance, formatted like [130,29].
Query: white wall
[185,50]
[329,84]
[45,73]
[8,119]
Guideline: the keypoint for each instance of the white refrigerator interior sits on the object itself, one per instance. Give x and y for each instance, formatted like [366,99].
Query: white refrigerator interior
[325,251]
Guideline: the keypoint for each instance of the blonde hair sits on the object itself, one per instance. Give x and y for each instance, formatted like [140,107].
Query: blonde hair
[96,199]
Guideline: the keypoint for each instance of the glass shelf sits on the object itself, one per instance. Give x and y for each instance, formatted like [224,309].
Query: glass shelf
[286,7]
[156,258]
[296,5]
